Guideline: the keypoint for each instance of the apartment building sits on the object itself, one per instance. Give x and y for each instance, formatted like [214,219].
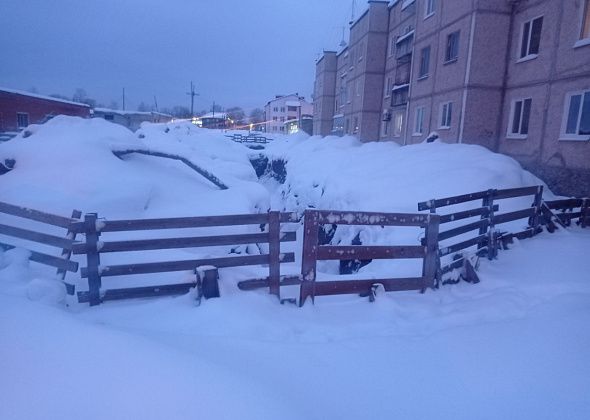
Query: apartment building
[510,75]
[285,108]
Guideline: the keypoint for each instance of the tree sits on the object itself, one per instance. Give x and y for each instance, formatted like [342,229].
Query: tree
[58,96]
[256,116]
[236,114]
[81,96]
[181,112]
[216,108]
[143,107]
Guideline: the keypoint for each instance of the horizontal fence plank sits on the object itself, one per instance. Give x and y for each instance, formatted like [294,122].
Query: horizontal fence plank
[570,203]
[369,252]
[38,237]
[460,215]
[170,266]
[140,292]
[515,192]
[449,201]
[451,249]
[326,288]
[177,243]
[26,213]
[484,223]
[186,222]
[515,215]
[45,259]
[456,264]
[370,218]
[264,283]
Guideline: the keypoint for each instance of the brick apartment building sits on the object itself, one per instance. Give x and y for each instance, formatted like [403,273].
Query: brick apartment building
[510,75]
[19,109]
[283,109]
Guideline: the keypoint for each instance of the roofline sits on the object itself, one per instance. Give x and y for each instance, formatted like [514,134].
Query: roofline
[42,97]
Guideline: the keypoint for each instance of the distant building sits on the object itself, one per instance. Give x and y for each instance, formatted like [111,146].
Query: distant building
[130,119]
[214,120]
[513,76]
[18,109]
[285,108]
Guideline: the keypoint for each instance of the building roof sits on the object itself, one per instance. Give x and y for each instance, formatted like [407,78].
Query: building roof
[37,96]
[220,115]
[122,112]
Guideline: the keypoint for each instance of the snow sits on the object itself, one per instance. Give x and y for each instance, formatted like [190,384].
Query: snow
[513,346]
[37,96]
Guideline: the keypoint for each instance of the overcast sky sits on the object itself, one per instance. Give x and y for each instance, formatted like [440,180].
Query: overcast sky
[237,52]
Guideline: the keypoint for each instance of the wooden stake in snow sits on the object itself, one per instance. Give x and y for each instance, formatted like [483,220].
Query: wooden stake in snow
[187,162]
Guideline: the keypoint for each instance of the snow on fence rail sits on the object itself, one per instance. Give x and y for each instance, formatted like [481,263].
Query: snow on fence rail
[65,243]
[93,228]
[488,239]
[313,252]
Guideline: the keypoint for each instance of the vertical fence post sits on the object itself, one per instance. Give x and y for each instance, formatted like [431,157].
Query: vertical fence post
[492,238]
[67,254]
[535,221]
[585,213]
[274,253]
[309,261]
[92,258]
[431,263]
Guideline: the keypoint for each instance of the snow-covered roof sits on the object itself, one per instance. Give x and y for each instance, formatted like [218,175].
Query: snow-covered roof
[293,103]
[124,112]
[220,115]
[47,98]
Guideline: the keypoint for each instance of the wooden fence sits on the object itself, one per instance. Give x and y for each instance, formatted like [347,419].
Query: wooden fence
[64,243]
[488,238]
[313,252]
[93,228]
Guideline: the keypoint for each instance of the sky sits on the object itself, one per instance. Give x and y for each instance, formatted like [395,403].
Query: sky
[236,52]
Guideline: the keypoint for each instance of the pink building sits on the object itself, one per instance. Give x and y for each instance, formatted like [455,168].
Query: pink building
[284,108]
[513,76]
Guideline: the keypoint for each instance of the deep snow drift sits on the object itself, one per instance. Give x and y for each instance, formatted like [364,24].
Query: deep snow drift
[513,346]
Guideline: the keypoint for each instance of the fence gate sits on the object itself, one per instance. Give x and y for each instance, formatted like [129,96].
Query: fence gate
[312,252]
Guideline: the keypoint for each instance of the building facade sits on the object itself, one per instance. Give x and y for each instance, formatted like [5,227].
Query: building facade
[18,109]
[285,108]
[510,75]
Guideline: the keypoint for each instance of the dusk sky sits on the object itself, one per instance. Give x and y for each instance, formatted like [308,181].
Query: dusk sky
[237,52]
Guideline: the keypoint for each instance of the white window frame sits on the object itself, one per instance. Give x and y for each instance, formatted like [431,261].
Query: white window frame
[429,8]
[509,133]
[455,58]
[566,108]
[394,118]
[442,114]
[528,56]
[419,118]
[18,114]
[425,75]
[584,20]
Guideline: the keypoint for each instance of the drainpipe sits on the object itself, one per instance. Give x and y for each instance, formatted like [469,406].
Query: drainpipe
[467,76]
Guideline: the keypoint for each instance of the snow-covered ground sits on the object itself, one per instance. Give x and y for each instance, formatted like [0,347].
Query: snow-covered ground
[511,347]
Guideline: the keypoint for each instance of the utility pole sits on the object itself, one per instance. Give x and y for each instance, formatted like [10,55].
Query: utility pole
[192,94]
[123,99]
[156,103]
[213,109]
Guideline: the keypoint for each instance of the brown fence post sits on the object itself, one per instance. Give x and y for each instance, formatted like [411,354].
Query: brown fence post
[537,203]
[274,253]
[309,261]
[67,254]
[585,213]
[92,258]
[492,238]
[431,264]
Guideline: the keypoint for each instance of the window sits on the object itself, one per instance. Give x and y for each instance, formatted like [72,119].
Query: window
[398,123]
[282,119]
[585,32]
[404,45]
[385,128]
[424,62]
[520,115]
[388,85]
[429,11]
[419,121]
[358,87]
[22,119]
[531,37]
[446,113]
[342,95]
[282,109]
[392,47]
[276,119]
[452,51]
[275,109]
[292,108]
[576,119]
[400,95]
